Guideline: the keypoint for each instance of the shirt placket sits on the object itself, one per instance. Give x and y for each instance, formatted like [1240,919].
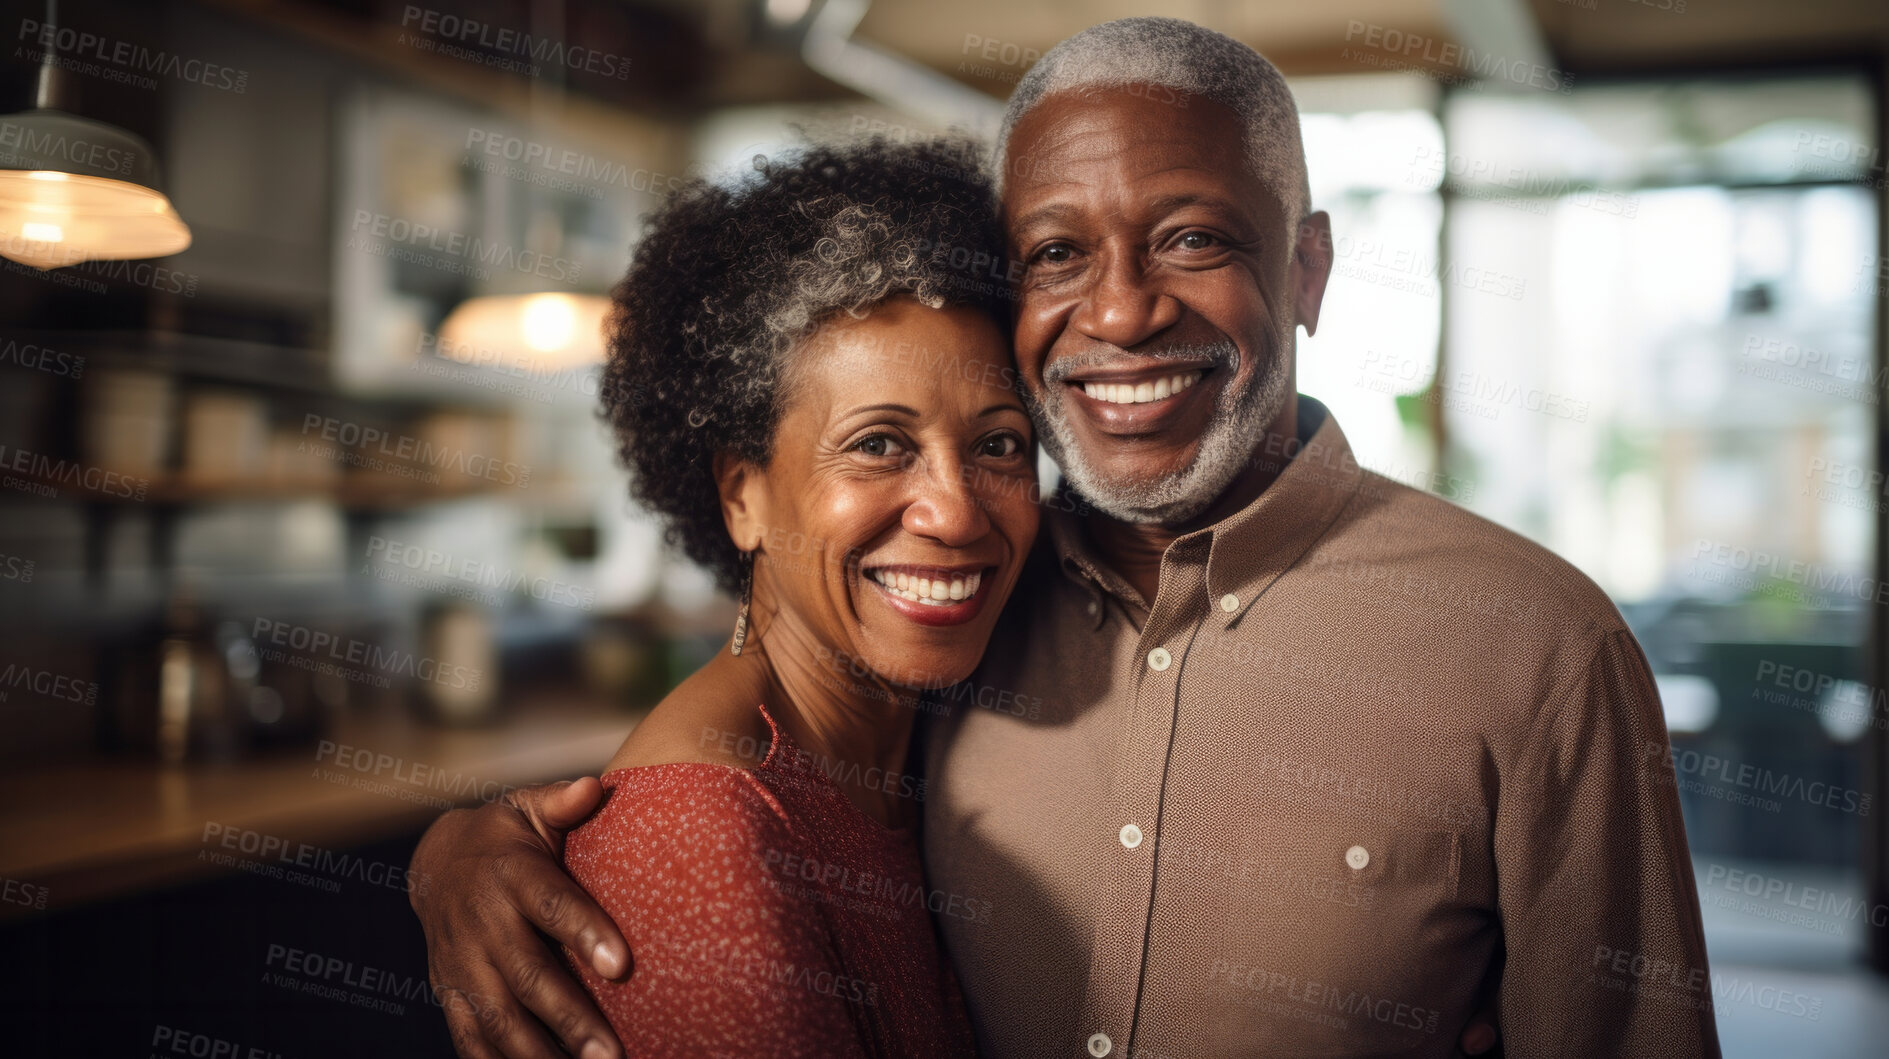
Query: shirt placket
[1113,995]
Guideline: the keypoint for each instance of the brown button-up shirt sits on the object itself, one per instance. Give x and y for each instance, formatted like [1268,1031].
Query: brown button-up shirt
[1361,746]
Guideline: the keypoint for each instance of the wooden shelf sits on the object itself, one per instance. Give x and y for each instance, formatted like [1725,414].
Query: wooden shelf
[351,492]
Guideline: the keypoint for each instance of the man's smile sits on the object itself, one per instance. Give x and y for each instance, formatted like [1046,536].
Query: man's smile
[1138,397]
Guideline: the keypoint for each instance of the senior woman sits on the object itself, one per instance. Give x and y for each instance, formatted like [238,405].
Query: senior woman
[820,407]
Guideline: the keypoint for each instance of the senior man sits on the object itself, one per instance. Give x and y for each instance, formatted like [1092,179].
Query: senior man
[1312,763]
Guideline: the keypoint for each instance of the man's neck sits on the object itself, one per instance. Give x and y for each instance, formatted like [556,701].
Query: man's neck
[1134,549]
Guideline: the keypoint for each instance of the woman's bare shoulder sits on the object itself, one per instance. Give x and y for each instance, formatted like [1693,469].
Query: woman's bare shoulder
[701,721]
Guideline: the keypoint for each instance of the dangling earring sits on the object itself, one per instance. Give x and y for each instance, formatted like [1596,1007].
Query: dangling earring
[747,600]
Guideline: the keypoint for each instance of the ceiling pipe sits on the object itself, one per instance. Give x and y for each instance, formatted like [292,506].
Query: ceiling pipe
[1503,31]
[897,82]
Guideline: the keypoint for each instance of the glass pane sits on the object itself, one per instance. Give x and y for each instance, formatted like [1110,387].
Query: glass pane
[1378,329]
[1682,404]
[1760,130]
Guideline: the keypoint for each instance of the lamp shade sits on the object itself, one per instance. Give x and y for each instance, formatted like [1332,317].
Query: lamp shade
[542,333]
[73,189]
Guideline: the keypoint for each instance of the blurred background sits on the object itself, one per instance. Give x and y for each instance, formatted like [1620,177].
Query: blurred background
[308,529]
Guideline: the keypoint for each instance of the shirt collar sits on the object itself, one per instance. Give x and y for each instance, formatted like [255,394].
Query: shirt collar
[1250,548]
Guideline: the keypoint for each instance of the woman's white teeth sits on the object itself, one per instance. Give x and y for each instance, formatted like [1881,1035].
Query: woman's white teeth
[1141,392]
[935,591]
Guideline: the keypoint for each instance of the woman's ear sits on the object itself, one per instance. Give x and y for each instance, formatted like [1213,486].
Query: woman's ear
[743,500]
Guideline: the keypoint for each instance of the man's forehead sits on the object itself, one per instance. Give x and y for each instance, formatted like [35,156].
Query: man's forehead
[1091,125]
[1159,156]
[1101,134]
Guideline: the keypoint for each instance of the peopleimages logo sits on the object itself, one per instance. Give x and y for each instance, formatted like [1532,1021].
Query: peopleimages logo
[459,30]
[1750,569]
[360,445]
[46,684]
[21,145]
[1430,50]
[45,474]
[549,166]
[1715,775]
[464,253]
[74,49]
[174,1040]
[431,563]
[39,358]
[324,652]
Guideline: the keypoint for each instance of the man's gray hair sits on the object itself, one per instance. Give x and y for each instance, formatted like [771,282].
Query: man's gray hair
[1176,54]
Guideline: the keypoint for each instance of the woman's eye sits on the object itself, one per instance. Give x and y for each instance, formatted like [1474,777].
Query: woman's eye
[1000,445]
[880,445]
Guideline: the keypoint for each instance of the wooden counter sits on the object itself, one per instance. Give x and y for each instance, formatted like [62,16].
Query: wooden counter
[105,828]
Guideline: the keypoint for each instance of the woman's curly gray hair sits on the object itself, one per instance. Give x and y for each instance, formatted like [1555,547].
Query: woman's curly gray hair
[728,281]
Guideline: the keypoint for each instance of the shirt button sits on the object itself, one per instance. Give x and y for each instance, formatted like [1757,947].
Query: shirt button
[1358,857]
[1131,836]
[1229,603]
[1099,1045]
[1159,659]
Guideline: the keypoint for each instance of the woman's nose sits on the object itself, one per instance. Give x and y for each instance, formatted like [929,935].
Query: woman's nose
[945,505]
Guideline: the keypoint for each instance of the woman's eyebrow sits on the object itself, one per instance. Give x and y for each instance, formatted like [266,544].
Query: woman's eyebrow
[1002,406]
[899,408]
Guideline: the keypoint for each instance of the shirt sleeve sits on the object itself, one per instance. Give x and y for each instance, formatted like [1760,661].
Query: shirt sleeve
[1600,915]
[730,957]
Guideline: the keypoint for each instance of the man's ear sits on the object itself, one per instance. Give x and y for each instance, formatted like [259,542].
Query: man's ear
[743,500]
[1311,268]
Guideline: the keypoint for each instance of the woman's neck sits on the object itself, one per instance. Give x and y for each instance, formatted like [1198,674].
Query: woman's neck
[847,718]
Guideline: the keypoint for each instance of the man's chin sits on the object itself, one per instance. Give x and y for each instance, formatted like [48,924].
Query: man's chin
[1138,495]
[1139,463]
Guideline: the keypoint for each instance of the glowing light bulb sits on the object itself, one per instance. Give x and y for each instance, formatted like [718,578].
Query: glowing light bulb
[542,333]
[549,320]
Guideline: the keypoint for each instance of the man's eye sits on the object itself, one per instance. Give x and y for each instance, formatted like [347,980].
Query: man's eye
[879,445]
[1056,254]
[1197,241]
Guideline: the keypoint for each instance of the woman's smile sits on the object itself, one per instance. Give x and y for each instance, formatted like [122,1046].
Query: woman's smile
[931,595]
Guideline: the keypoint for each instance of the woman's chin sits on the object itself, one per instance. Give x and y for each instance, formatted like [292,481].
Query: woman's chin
[921,670]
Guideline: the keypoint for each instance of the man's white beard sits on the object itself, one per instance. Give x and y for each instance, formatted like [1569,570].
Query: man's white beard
[1233,434]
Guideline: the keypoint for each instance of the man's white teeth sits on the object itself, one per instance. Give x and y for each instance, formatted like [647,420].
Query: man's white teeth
[1141,392]
[936,592]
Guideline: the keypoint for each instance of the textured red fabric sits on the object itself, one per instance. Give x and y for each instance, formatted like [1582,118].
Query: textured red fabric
[766,915]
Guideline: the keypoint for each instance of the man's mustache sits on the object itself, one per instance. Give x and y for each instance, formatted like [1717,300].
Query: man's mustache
[1220,354]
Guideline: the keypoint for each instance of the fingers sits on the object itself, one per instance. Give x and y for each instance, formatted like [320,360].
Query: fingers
[538,887]
[494,872]
[1481,1034]
[1478,1037]
[552,996]
[483,1026]
[462,1022]
[565,805]
[557,807]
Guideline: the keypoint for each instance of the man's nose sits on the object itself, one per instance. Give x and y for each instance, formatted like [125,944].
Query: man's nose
[1123,305]
[945,506]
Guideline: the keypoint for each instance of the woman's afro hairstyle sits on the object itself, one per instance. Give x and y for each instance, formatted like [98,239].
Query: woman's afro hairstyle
[729,279]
